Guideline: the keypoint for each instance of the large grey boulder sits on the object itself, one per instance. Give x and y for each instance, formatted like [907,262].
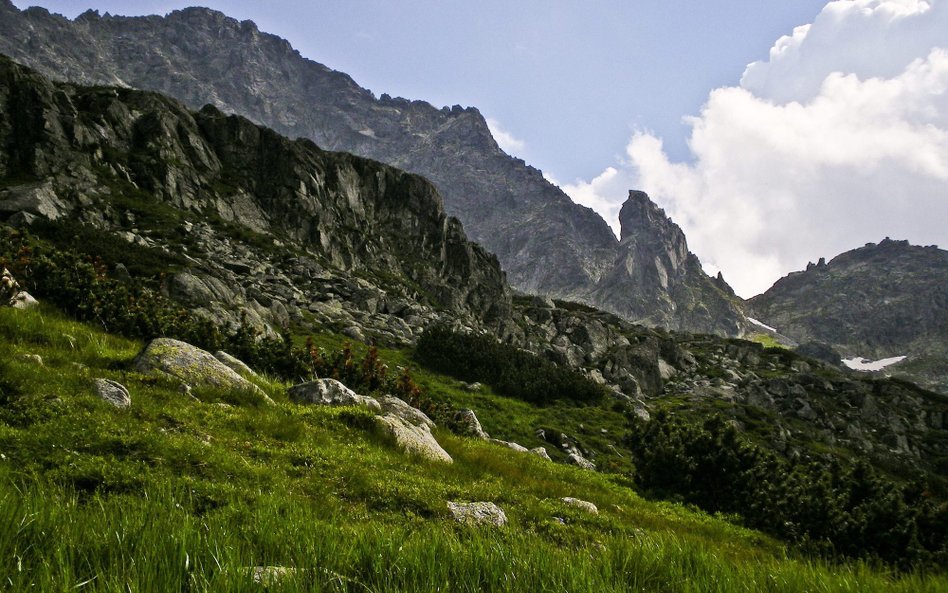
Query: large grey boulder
[191,365]
[330,392]
[412,439]
[37,200]
[478,513]
[397,407]
[113,392]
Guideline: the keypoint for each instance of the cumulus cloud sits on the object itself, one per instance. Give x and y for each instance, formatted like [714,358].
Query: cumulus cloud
[507,141]
[838,139]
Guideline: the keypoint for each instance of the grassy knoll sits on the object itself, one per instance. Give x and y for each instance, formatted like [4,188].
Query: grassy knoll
[176,494]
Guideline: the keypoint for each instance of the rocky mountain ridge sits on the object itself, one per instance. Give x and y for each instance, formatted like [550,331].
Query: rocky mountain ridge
[141,167]
[545,242]
[883,300]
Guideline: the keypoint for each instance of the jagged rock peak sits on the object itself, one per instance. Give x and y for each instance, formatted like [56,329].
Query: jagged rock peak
[658,282]
[639,214]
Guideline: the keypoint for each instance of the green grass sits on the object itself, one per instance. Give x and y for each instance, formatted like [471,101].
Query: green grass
[175,494]
[767,340]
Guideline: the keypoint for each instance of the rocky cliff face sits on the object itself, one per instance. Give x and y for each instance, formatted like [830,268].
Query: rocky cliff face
[268,227]
[546,243]
[879,301]
[658,281]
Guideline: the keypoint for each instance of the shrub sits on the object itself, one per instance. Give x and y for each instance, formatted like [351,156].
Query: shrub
[509,370]
[847,511]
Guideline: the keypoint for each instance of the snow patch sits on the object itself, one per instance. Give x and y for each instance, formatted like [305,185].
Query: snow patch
[763,325]
[862,364]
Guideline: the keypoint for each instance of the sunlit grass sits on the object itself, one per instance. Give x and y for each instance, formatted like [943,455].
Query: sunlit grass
[176,494]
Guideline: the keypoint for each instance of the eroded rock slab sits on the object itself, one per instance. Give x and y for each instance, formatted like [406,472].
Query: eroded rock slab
[412,439]
[191,365]
[478,513]
[113,392]
[330,392]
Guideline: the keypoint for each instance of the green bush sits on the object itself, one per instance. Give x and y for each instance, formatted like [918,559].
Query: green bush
[823,506]
[509,370]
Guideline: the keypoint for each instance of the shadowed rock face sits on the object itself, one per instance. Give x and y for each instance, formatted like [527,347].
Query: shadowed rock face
[87,151]
[878,301]
[545,242]
[657,281]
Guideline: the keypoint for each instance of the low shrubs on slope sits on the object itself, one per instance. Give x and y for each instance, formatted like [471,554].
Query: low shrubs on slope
[509,370]
[828,508]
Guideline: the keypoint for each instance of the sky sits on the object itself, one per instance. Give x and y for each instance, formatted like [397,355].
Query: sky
[774,132]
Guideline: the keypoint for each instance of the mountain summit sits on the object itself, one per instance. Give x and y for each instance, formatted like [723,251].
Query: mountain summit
[879,301]
[659,282]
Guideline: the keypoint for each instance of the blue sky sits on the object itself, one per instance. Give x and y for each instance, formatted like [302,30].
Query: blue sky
[774,132]
[571,80]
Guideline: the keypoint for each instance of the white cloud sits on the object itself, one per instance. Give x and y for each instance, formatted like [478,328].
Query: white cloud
[604,194]
[507,141]
[839,139]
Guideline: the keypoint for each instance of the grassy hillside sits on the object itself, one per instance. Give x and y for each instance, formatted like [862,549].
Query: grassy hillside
[178,494]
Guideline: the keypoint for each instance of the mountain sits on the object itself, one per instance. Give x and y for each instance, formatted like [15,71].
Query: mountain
[546,243]
[126,210]
[879,301]
[215,199]
[658,282]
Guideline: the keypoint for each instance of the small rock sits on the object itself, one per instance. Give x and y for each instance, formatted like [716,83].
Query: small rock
[34,358]
[113,392]
[478,513]
[580,461]
[268,576]
[665,370]
[472,387]
[330,392]
[581,504]
[510,445]
[414,440]
[541,452]
[465,423]
[23,300]
[354,332]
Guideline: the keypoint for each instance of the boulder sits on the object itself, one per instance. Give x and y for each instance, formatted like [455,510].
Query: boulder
[11,295]
[579,461]
[412,439]
[516,447]
[330,392]
[541,452]
[237,365]
[465,423]
[193,366]
[581,504]
[23,300]
[38,200]
[478,513]
[113,392]
[397,407]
